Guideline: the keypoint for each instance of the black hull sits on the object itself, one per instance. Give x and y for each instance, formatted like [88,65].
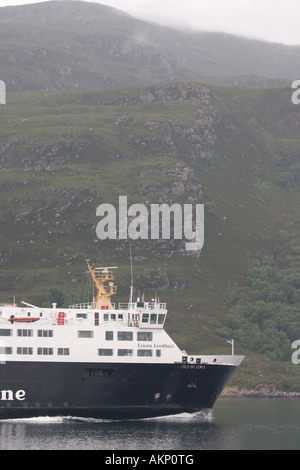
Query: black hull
[108,391]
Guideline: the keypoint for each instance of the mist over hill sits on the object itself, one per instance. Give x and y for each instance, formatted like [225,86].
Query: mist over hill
[70,45]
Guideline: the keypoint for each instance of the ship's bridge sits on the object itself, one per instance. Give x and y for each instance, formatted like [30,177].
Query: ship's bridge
[145,314]
[135,314]
[140,314]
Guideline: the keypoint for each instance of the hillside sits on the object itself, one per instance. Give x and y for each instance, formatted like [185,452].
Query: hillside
[69,46]
[235,150]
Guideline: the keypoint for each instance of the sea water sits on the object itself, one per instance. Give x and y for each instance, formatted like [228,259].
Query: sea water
[234,424]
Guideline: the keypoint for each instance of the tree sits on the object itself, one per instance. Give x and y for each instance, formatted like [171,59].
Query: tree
[55,296]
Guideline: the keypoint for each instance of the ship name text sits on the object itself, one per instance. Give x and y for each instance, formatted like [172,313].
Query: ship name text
[156,346]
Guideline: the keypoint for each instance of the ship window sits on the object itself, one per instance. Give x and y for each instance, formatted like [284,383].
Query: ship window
[105,317]
[125,336]
[85,334]
[120,316]
[81,315]
[109,335]
[25,332]
[105,352]
[24,350]
[5,350]
[145,318]
[158,353]
[113,316]
[45,333]
[161,318]
[5,332]
[153,318]
[125,352]
[45,351]
[144,353]
[63,351]
[144,336]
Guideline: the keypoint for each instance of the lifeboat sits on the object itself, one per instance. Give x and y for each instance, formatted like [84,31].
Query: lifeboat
[23,319]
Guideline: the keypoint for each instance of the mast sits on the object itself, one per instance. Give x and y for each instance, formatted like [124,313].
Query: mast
[131,277]
[103,280]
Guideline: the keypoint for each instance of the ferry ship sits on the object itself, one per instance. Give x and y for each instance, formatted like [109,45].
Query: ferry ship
[99,360]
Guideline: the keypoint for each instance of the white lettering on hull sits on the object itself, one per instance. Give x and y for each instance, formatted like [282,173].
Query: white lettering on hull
[9,395]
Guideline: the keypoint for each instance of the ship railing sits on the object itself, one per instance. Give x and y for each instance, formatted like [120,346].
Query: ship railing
[199,362]
[122,306]
[143,305]
[88,306]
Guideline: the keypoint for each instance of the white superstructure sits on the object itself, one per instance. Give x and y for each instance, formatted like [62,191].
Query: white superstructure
[93,332]
[87,334]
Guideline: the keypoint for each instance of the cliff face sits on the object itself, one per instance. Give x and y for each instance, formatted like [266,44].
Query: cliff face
[104,134]
[63,154]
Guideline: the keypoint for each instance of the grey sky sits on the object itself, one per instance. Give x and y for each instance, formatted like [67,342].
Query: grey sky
[271,20]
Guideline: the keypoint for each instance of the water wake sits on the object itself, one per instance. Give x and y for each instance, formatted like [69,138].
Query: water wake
[37,420]
[200,416]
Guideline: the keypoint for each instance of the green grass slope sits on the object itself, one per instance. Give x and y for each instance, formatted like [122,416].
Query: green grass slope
[235,150]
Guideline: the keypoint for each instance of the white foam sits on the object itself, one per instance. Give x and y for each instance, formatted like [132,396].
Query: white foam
[201,416]
[36,420]
[205,416]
